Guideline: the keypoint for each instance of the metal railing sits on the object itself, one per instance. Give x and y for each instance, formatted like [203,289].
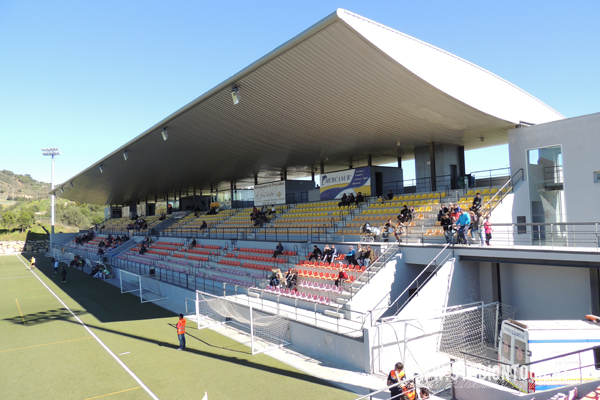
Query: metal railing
[501,194]
[436,380]
[309,312]
[278,234]
[377,310]
[365,277]
[567,371]
[489,177]
[552,235]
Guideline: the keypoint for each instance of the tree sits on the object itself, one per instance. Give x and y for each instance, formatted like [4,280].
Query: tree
[25,220]
[73,216]
[9,220]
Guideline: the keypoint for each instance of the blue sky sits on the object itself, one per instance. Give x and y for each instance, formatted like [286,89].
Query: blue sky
[87,77]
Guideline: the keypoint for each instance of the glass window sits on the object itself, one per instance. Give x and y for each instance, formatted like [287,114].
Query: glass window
[520,352]
[545,179]
[506,346]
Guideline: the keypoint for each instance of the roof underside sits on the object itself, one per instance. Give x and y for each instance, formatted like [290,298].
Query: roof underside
[330,95]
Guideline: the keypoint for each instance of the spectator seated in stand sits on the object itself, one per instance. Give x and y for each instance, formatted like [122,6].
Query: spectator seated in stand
[203,226]
[143,250]
[342,277]
[193,243]
[316,254]
[477,203]
[443,210]
[359,198]
[291,277]
[351,256]
[344,201]
[278,250]
[390,195]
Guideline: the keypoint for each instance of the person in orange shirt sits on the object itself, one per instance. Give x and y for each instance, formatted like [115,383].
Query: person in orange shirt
[181,331]
[404,389]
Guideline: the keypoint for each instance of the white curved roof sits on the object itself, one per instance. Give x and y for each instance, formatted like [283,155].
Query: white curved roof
[345,89]
[453,75]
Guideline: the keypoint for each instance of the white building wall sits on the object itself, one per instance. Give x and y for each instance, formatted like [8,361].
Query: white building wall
[580,141]
[544,292]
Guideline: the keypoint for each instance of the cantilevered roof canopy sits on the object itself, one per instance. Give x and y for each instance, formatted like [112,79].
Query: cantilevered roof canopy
[344,89]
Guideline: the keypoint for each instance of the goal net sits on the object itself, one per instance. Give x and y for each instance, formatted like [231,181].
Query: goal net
[261,331]
[147,288]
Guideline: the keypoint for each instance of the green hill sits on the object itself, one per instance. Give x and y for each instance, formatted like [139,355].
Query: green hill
[29,212]
[21,186]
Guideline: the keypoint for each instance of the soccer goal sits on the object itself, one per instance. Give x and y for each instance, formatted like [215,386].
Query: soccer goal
[147,288]
[265,331]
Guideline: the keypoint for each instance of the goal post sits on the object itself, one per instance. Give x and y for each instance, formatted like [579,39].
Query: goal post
[147,288]
[259,330]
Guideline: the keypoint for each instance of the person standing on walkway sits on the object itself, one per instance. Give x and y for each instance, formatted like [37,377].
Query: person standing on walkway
[488,230]
[32,263]
[64,274]
[181,331]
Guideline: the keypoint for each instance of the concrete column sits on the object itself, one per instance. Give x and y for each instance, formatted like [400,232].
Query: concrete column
[312,176]
[461,161]
[399,162]
[369,160]
[322,167]
[350,162]
[496,284]
[432,166]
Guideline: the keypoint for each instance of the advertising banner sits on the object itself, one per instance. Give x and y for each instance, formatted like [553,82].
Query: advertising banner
[269,193]
[335,184]
[125,212]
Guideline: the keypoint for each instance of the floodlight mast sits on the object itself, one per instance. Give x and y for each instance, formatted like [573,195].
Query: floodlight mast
[51,151]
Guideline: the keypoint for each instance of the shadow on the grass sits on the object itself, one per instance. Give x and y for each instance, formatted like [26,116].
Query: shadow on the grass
[59,314]
[102,300]
[239,361]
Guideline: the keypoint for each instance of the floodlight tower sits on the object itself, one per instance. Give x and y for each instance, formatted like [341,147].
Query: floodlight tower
[51,151]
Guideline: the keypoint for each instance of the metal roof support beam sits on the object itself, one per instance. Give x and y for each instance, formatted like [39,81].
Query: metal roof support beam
[255,179]
[399,162]
[322,167]
[369,160]
[312,176]
[350,162]
[432,165]
[284,174]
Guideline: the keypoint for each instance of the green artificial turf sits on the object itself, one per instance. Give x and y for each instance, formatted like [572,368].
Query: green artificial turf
[45,353]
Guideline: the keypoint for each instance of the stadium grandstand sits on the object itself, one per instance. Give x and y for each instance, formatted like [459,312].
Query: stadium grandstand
[239,210]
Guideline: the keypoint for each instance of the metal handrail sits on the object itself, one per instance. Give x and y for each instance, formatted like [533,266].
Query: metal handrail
[368,271]
[416,292]
[533,362]
[509,183]
[418,276]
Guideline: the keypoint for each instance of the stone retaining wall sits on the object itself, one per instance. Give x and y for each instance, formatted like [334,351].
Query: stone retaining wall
[32,246]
